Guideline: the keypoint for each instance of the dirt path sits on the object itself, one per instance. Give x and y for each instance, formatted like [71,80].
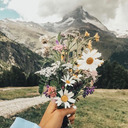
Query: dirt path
[11,107]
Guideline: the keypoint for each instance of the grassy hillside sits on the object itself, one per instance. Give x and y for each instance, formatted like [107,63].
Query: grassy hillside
[15,54]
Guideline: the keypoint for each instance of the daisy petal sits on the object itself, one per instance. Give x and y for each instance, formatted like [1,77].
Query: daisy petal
[67,105]
[70,94]
[72,100]
[61,92]
[66,92]
[59,103]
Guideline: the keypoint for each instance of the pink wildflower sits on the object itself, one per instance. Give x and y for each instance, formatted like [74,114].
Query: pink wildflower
[51,92]
[94,74]
[59,47]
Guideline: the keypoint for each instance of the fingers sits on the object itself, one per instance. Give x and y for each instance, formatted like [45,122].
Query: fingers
[67,111]
[51,107]
[72,117]
[72,122]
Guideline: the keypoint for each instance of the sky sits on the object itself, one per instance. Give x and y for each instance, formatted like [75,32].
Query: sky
[112,13]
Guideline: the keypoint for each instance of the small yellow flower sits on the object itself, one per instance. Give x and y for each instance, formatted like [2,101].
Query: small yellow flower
[90,45]
[97,37]
[87,34]
[62,57]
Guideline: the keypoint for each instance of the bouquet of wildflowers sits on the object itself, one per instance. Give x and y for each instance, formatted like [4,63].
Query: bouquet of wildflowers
[73,71]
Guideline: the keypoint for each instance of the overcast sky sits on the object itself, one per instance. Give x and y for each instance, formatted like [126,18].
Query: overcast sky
[112,13]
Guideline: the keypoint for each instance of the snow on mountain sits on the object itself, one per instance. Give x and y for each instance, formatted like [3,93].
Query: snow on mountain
[75,19]
[121,33]
[94,22]
[68,22]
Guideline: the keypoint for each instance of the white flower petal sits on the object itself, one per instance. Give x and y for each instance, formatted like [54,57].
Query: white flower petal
[61,92]
[97,55]
[70,94]
[72,100]
[63,80]
[65,92]
[59,103]
[93,52]
[67,105]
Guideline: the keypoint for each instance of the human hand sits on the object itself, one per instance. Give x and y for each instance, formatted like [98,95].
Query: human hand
[53,117]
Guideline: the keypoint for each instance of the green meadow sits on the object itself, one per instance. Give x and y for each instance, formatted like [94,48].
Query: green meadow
[18,92]
[103,109]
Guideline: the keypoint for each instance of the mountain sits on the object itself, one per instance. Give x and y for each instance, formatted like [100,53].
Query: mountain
[12,53]
[82,21]
[26,33]
[75,19]
[121,34]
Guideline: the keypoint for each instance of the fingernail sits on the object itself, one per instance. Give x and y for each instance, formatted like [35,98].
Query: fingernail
[74,107]
[68,115]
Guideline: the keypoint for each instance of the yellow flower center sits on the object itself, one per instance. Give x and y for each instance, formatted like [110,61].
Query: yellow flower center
[64,98]
[67,81]
[89,60]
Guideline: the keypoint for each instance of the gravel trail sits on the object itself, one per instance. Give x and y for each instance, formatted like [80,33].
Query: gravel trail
[11,107]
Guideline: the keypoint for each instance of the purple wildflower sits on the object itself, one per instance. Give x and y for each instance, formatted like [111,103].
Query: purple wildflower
[46,92]
[88,90]
[57,42]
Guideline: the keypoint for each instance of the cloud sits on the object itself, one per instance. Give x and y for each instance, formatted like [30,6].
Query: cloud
[43,10]
[27,9]
[121,17]
[59,7]
[102,9]
[108,12]
[2,9]
[5,1]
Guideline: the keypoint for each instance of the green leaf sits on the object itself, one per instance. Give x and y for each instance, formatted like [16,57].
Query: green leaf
[59,36]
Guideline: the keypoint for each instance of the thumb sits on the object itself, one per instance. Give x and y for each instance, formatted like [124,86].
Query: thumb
[52,106]
[67,111]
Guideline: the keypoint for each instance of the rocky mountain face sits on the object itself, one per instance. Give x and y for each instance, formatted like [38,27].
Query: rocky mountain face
[26,33]
[82,21]
[75,19]
[12,53]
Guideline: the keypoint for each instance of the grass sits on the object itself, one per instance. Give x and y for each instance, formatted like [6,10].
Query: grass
[103,109]
[12,93]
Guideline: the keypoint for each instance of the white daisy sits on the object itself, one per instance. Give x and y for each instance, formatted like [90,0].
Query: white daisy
[68,80]
[65,98]
[67,65]
[89,60]
[77,77]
